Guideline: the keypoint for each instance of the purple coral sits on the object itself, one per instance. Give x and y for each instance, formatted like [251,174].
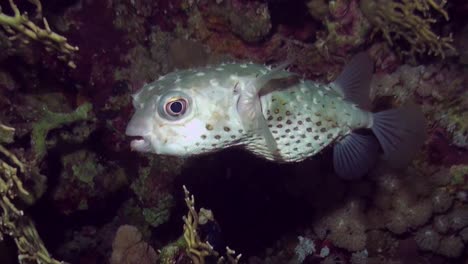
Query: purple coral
[441,224]
[451,247]
[427,239]
[345,227]
[442,201]
[459,218]
[304,248]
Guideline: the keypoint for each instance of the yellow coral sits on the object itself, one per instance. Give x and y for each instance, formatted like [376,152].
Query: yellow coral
[196,249]
[409,20]
[19,26]
[13,222]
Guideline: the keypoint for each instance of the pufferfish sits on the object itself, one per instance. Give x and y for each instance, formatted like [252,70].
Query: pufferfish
[275,114]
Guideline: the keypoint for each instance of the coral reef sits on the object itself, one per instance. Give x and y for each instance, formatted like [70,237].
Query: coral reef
[85,181]
[410,21]
[153,189]
[248,20]
[67,172]
[129,247]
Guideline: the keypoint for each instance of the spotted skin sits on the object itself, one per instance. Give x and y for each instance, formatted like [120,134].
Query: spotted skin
[305,119]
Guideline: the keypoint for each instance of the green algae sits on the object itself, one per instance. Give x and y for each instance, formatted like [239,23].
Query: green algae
[456,119]
[6,134]
[86,180]
[159,214]
[84,167]
[51,120]
[153,188]
[459,175]
[169,252]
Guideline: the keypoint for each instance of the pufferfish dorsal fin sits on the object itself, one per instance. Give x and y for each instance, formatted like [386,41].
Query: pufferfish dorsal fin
[250,108]
[354,81]
[279,84]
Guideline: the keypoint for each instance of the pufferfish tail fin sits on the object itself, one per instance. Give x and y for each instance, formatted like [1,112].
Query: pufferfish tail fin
[355,155]
[399,132]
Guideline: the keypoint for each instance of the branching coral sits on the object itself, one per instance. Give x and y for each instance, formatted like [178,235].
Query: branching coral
[6,134]
[191,244]
[411,21]
[20,26]
[198,250]
[13,222]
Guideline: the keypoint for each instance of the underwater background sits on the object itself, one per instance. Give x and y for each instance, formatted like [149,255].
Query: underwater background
[72,191]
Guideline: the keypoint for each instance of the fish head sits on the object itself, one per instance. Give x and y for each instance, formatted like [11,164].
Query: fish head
[184,119]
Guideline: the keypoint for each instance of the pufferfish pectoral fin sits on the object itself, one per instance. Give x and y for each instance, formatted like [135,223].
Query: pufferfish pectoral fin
[355,155]
[250,111]
[249,105]
[354,81]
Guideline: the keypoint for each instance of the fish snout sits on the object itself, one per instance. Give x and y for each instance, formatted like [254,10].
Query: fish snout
[138,126]
[140,129]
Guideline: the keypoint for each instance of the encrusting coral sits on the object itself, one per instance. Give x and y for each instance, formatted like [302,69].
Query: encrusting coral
[427,239]
[129,248]
[20,26]
[345,227]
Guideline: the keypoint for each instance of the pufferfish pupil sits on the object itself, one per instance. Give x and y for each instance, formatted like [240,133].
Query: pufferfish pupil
[176,107]
[274,114]
[172,106]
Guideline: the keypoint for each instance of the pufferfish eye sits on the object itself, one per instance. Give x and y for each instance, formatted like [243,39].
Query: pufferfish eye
[174,105]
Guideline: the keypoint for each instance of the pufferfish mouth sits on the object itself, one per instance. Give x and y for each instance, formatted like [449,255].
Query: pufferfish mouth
[140,144]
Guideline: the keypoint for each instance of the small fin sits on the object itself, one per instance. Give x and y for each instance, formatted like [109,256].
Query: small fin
[279,84]
[263,130]
[355,155]
[275,73]
[354,81]
[401,133]
[250,110]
